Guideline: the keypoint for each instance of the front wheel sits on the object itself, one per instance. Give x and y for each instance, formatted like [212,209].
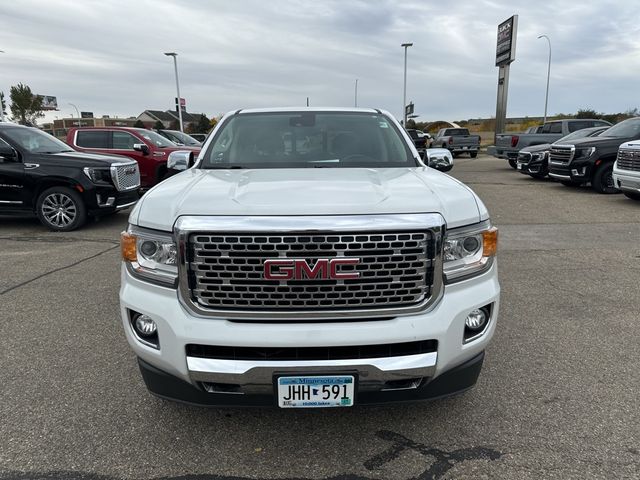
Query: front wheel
[603,179]
[473,154]
[513,163]
[537,176]
[632,195]
[61,209]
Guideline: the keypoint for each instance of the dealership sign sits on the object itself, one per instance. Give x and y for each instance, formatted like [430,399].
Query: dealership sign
[506,45]
[49,103]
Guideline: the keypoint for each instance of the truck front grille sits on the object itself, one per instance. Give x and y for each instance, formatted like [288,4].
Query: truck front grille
[125,176]
[629,160]
[561,154]
[227,271]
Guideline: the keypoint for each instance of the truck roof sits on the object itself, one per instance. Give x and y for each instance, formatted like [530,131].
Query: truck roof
[306,109]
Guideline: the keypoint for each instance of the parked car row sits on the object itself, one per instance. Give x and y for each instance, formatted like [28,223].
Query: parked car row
[99,171]
[607,158]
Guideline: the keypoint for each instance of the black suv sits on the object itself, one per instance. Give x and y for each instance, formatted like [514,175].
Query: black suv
[591,159]
[42,175]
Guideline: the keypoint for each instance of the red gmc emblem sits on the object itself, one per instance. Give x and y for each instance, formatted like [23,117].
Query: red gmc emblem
[300,269]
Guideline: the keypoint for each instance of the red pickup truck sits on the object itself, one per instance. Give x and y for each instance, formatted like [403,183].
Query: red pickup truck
[146,147]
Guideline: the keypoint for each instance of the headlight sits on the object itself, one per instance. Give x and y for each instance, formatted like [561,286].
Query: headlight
[469,251]
[97,175]
[584,152]
[539,155]
[150,255]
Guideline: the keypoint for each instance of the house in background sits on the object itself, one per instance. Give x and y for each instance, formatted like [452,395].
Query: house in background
[168,118]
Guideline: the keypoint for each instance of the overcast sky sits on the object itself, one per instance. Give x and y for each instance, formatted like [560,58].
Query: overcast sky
[106,56]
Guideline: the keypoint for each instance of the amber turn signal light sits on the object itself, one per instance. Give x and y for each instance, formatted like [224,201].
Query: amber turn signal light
[490,242]
[128,247]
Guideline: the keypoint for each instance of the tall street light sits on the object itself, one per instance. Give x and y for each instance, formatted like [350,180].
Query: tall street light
[355,102]
[546,99]
[175,66]
[78,112]
[404,92]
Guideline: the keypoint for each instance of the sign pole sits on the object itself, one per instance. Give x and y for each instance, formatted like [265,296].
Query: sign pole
[505,54]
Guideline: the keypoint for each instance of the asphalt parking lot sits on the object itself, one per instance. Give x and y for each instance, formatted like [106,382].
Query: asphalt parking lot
[557,398]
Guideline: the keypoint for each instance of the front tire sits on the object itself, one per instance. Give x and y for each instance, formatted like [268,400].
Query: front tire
[61,209]
[632,195]
[473,154]
[603,180]
[537,176]
[513,163]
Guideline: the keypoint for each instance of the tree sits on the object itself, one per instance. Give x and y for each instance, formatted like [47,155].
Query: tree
[25,106]
[3,104]
[214,121]
[139,124]
[411,123]
[587,113]
[158,125]
[203,125]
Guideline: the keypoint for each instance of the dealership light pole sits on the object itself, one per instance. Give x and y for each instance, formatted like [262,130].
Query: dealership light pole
[78,112]
[404,92]
[355,102]
[175,66]
[546,99]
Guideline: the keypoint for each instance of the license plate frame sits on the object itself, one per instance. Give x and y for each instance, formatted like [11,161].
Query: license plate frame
[317,380]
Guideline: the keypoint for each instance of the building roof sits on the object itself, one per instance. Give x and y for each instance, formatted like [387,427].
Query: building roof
[160,115]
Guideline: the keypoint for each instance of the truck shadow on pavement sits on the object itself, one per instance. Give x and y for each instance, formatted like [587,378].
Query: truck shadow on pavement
[439,462]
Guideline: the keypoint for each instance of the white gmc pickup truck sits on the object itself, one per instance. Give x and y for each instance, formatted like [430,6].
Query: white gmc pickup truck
[308,258]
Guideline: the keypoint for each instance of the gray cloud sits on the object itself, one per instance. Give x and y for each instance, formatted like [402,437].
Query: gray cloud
[106,56]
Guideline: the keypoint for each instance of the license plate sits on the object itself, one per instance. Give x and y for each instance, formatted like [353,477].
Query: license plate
[519,165]
[316,392]
[465,148]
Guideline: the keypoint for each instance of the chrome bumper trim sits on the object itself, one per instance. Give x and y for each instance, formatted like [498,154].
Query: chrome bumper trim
[372,371]
[560,177]
[126,205]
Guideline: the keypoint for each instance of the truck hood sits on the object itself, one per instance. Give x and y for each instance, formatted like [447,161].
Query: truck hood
[78,159]
[308,191]
[600,142]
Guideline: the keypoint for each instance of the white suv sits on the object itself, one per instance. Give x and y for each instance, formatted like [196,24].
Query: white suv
[309,258]
[626,169]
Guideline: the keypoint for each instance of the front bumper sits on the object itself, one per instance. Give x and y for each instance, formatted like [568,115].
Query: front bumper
[455,380]
[626,180]
[169,372]
[533,166]
[104,201]
[577,172]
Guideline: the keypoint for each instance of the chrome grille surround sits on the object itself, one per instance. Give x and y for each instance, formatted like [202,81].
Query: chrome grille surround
[410,286]
[628,160]
[524,157]
[561,154]
[125,175]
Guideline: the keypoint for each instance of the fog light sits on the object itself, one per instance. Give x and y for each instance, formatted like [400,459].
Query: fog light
[476,320]
[145,326]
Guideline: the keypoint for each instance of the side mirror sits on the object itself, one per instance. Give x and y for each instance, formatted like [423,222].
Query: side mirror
[141,147]
[180,160]
[7,152]
[439,158]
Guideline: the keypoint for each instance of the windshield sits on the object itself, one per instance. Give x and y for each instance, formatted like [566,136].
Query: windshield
[585,132]
[629,128]
[308,140]
[155,138]
[182,138]
[35,141]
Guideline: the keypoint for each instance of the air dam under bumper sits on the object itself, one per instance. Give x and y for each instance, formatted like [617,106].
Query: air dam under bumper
[170,373]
